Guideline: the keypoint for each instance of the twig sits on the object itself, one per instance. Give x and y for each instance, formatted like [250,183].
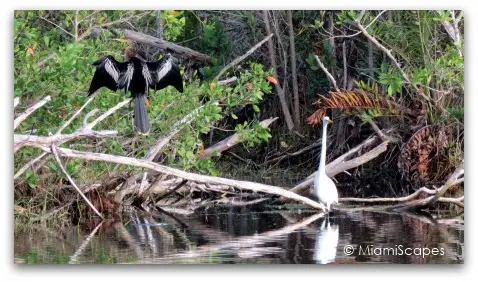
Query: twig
[108,113]
[394,60]
[45,60]
[344,56]
[47,20]
[331,78]
[241,58]
[65,125]
[359,19]
[295,87]
[29,111]
[227,81]
[153,151]
[90,29]
[55,153]
[388,200]
[29,164]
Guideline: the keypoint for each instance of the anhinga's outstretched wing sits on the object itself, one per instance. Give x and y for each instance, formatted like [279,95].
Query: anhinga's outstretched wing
[163,73]
[111,74]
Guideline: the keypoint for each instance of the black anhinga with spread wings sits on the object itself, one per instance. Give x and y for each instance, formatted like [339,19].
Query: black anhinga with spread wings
[137,76]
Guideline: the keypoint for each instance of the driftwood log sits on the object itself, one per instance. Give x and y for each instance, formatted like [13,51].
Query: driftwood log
[162,44]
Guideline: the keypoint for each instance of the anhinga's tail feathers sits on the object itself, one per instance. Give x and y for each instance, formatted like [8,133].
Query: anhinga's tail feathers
[141,121]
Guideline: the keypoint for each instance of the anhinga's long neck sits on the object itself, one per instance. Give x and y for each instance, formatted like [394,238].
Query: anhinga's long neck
[324,147]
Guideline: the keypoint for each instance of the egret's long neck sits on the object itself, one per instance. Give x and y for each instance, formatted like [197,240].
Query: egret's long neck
[324,146]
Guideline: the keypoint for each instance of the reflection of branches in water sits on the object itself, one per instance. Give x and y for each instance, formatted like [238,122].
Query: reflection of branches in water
[247,245]
[81,248]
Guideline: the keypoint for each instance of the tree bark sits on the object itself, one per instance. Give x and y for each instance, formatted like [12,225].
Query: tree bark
[280,91]
[295,87]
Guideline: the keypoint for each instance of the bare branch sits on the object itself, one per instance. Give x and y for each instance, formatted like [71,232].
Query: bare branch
[164,45]
[29,164]
[20,140]
[55,153]
[241,58]
[125,19]
[65,125]
[295,87]
[108,113]
[227,81]
[153,151]
[229,142]
[47,20]
[280,91]
[331,78]
[29,111]
[16,101]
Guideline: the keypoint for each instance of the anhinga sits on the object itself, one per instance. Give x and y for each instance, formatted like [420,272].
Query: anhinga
[137,76]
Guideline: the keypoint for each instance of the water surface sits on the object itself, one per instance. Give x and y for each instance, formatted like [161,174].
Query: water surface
[245,235]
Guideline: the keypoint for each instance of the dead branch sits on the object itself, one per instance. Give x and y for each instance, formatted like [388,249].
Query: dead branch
[65,125]
[243,185]
[20,140]
[108,113]
[227,81]
[55,153]
[280,91]
[16,101]
[412,196]
[229,142]
[295,87]
[411,203]
[29,111]
[153,151]
[163,44]
[329,76]
[125,19]
[241,58]
[340,165]
[28,165]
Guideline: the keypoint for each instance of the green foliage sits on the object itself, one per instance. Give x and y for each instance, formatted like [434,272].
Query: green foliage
[391,78]
[66,76]
[173,24]
[31,178]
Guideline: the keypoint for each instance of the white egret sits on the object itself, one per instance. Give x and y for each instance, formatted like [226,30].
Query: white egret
[324,187]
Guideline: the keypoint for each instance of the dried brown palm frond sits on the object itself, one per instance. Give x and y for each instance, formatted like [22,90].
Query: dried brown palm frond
[373,104]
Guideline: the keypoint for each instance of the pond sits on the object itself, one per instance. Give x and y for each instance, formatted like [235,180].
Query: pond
[230,235]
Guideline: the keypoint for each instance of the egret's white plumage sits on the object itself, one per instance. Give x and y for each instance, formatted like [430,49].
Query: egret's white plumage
[324,187]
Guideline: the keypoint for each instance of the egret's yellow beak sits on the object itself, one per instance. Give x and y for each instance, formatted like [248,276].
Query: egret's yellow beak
[329,121]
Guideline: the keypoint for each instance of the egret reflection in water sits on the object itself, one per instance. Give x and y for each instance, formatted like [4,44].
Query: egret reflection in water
[326,242]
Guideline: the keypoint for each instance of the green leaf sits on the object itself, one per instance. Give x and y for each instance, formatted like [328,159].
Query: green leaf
[233,115]
[256,108]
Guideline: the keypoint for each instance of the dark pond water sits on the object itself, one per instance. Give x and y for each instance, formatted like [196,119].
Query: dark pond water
[244,235]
